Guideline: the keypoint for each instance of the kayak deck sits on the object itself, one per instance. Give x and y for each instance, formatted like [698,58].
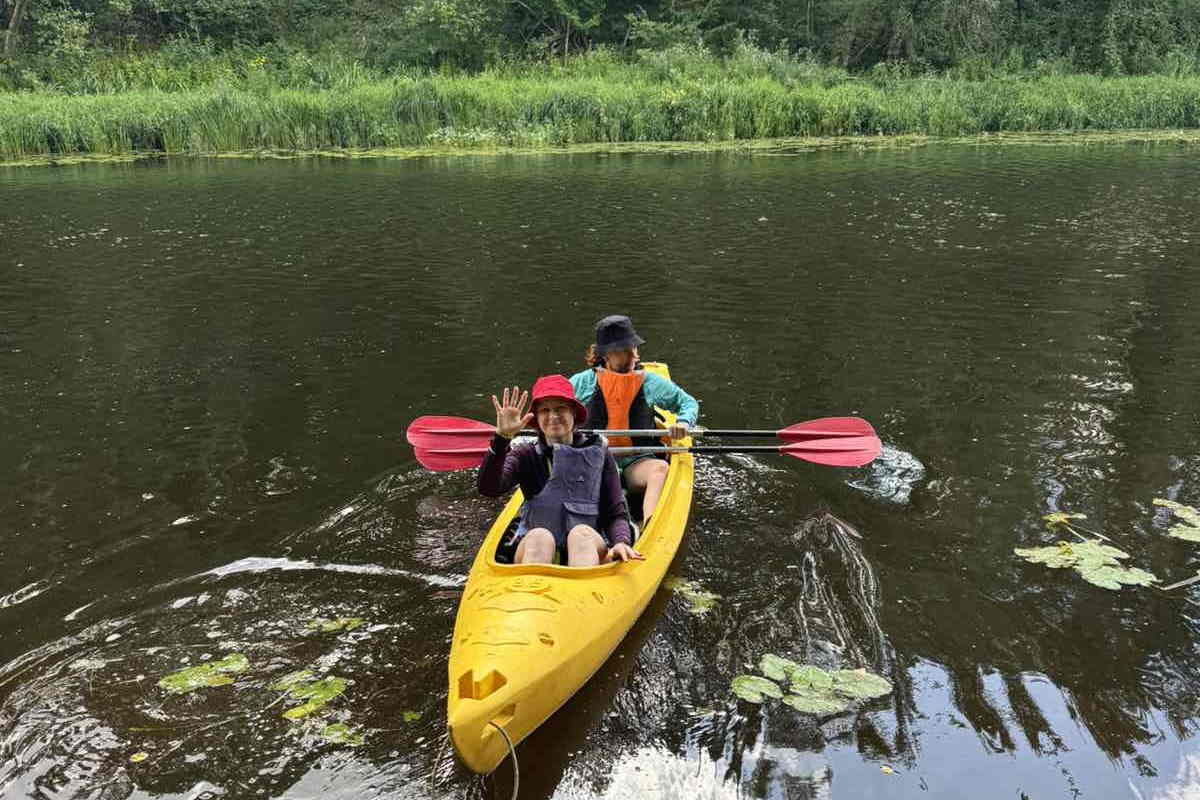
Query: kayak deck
[528,636]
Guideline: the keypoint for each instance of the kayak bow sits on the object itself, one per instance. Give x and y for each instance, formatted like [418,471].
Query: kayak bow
[528,636]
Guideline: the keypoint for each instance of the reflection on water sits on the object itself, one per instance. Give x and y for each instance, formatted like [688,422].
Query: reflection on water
[655,772]
[206,367]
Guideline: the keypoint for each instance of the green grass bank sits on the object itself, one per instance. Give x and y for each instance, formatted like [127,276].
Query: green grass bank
[605,103]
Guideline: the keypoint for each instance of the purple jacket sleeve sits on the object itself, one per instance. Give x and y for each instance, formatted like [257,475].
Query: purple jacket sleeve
[614,513]
[498,472]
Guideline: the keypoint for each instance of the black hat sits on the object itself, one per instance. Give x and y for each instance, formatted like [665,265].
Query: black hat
[616,333]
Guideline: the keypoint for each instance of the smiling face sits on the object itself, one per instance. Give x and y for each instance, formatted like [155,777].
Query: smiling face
[556,418]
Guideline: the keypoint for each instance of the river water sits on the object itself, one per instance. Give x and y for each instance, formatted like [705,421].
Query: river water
[206,369]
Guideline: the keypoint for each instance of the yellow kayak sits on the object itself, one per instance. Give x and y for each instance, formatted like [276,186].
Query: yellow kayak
[528,636]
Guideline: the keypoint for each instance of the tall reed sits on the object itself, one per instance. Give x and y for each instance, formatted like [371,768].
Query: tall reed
[588,101]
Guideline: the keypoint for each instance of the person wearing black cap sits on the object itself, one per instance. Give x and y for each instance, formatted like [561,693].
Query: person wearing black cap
[619,395]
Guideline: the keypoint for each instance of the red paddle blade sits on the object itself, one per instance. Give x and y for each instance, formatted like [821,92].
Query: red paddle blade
[433,432]
[848,451]
[826,428]
[450,458]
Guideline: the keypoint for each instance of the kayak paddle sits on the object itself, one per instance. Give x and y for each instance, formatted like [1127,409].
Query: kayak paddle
[843,451]
[439,433]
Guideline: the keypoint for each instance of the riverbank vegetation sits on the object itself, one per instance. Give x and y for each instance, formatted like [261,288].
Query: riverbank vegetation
[119,76]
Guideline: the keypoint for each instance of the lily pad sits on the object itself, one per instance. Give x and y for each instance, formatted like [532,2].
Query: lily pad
[699,601]
[860,684]
[411,716]
[1096,562]
[1057,556]
[316,695]
[1110,577]
[339,624]
[817,702]
[1185,513]
[810,677]
[1090,554]
[341,733]
[1188,533]
[1189,529]
[753,688]
[776,667]
[292,679]
[1061,518]
[215,673]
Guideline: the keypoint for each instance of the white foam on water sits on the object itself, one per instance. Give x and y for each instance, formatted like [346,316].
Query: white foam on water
[892,476]
[23,594]
[264,564]
[75,614]
[651,772]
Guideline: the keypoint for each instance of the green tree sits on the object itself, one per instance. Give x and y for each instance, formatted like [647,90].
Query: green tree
[13,13]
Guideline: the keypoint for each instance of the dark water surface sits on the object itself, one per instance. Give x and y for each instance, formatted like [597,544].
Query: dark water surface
[206,368]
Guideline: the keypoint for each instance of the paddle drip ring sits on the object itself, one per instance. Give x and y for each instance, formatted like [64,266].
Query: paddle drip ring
[513,755]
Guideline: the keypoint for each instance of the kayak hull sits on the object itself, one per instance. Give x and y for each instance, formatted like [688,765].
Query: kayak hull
[528,636]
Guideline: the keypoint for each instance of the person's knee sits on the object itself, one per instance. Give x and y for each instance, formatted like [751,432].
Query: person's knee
[540,538]
[660,469]
[581,534]
[538,545]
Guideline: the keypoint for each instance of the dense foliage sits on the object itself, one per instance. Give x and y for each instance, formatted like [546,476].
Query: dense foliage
[43,40]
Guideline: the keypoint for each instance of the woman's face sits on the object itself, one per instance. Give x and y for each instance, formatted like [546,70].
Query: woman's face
[556,418]
[621,360]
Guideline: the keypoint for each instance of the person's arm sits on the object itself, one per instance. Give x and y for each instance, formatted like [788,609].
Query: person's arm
[501,465]
[614,512]
[669,395]
[500,468]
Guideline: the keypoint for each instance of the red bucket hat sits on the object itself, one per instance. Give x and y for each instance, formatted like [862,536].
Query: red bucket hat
[560,387]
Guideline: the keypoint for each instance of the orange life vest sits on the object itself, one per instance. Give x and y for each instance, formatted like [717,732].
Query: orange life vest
[619,404]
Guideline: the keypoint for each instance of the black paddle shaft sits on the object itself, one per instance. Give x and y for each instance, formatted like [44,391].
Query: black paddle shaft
[697,432]
[709,448]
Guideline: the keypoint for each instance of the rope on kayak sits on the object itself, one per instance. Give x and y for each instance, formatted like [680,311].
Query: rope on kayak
[513,755]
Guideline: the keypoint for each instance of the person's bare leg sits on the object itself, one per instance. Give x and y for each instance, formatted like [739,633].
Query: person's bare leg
[647,476]
[585,547]
[536,547]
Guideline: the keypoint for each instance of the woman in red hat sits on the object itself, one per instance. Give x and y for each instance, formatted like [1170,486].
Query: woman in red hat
[574,506]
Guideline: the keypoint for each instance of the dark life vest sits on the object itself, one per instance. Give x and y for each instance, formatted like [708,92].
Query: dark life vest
[619,403]
[571,496]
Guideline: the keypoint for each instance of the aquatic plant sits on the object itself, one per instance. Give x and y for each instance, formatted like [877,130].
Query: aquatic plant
[1189,528]
[292,680]
[315,694]
[777,668]
[616,102]
[215,673]
[341,733]
[1097,563]
[811,690]
[698,601]
[754,689]
[340,624]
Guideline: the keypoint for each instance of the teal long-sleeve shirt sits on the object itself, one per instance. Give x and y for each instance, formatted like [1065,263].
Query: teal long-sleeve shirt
[658,392]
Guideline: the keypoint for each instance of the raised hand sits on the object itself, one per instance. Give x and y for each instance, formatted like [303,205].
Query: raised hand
[510,412]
